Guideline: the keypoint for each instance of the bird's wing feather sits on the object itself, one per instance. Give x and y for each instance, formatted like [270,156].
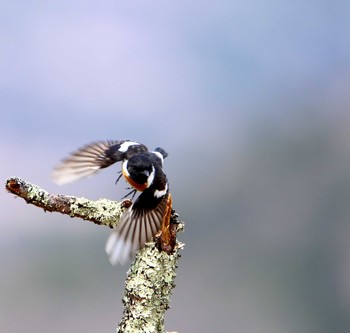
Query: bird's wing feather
[138,226]
[89,159]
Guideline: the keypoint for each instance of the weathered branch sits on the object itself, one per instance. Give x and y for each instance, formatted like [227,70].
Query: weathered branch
[102,212]
[148,286]
[151,276]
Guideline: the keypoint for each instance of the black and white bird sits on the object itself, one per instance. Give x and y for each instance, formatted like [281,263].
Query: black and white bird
[143,170]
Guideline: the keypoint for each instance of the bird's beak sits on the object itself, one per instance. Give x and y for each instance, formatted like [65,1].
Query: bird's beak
[145,172]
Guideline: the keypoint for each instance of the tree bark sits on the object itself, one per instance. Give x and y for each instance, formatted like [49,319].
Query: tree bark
[151,276]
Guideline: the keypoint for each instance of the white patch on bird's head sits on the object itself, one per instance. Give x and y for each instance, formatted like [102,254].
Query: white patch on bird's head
[161,193]
[125,168]
[125,146]
[159,155]
[150,178]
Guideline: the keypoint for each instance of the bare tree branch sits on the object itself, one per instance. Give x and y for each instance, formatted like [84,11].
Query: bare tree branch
[151,276]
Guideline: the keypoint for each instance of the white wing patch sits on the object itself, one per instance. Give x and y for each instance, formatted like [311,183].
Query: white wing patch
[125,146]
[159,194]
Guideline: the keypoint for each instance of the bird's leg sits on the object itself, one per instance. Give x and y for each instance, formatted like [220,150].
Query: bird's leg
[118,177]
[133,192]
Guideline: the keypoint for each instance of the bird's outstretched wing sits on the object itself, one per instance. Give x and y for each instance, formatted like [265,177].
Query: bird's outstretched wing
[89,159]
[138,225]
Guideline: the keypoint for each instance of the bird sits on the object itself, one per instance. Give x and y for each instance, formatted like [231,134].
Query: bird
[143,170]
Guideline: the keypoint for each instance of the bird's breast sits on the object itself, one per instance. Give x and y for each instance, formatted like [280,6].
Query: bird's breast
[137,186]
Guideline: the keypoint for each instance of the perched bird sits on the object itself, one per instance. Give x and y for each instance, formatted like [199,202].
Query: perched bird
[143,170]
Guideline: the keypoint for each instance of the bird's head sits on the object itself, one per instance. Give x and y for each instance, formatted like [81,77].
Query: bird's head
[139,171]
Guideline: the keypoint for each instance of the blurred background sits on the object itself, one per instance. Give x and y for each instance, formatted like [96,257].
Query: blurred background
[251,100]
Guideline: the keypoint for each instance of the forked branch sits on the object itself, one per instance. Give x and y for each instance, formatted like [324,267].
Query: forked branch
[151,276]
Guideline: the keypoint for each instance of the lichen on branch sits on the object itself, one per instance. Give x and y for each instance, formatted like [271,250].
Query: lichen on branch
[148,288]
[103,212]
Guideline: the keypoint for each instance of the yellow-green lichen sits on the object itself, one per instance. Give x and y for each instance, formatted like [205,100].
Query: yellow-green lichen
[107,212]
[147,290]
